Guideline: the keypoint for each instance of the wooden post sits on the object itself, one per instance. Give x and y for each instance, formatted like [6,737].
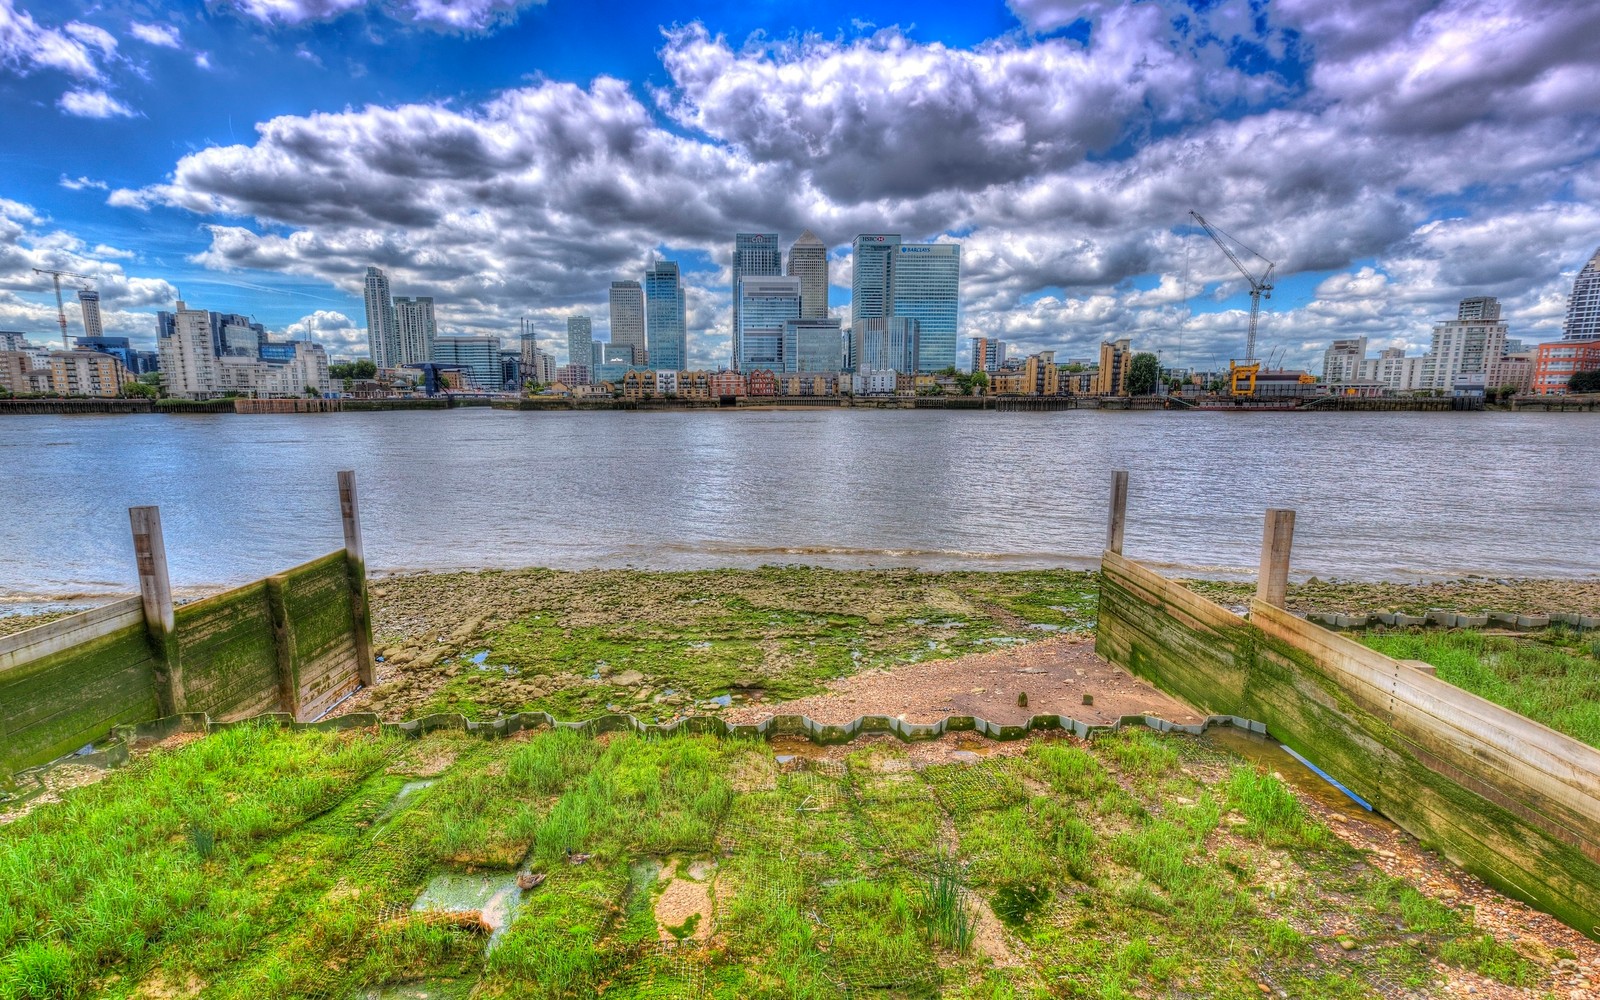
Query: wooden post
[155,592]
[1118,516]
[1272,586]
[356,566]
[284,645]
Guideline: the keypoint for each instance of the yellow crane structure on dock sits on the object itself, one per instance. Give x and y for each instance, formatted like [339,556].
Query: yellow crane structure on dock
[1242,374]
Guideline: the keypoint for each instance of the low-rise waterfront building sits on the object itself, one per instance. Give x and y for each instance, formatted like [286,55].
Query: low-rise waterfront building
[666,383]
[1559,360]
[1111,378]
[726,384]
[761,382]
[881,382]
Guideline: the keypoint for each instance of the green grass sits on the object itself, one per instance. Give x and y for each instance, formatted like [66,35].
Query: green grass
[263,863]
[1552,677]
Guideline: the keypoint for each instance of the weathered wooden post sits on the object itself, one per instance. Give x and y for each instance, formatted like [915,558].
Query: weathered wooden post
[155,590]
[356,566]
[1118,516]
[1272,586]
[283,644]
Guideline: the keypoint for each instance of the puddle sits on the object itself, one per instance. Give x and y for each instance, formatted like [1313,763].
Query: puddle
[495,897]
[1297,773]
[479,658]
[721,701]
[788,749]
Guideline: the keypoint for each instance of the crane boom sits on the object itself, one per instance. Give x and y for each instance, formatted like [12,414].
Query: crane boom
[61,308]
[1260,287]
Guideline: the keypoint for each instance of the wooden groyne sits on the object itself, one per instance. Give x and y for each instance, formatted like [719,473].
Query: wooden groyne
[1510,800]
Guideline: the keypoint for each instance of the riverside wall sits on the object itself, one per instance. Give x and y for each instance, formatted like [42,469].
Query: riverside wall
[1511,801]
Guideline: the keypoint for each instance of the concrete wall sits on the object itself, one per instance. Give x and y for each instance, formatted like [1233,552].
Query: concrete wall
[289,643]
[1508,799]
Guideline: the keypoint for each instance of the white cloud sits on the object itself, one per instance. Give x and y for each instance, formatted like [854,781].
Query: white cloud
[25,46]
[93,36]
[82,183]
[161,35]
[93,104]
[202,60]
[444,15]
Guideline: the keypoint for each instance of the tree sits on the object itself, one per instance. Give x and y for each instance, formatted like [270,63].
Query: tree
[1588,381]
[139,390]
[979,382]
[1074,369]
[1144,371]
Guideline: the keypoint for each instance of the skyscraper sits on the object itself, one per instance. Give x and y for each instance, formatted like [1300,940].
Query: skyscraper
[415,329]
[763,305]
[812,345]
[885,345]
[926,282]
[580,342]
[1583,305]
[627,319]
[754,255]
[89,301]
[666,320]
[383,336]
[872,259]
[808,261]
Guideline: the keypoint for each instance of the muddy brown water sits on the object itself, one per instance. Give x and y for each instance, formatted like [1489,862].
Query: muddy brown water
[1268,753]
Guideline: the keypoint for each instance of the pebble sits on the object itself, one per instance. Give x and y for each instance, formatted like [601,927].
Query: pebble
[1347,944]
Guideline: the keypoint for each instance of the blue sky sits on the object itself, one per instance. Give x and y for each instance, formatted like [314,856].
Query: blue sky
[511,158]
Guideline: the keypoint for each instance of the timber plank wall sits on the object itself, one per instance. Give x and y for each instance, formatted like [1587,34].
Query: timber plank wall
[284,644]
[1511,801]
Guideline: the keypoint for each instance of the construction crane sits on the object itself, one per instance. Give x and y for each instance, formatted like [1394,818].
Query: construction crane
[61,309]
[1242,374]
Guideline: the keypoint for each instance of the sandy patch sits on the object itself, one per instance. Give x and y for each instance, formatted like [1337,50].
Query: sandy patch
[686,899]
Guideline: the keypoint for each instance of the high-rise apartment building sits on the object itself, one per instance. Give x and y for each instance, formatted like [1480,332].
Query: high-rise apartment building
[1583,304]
[628,319]
[1112,377]
[926,284]
[755,255]
[988,354]
[808,261]
[1466,346]
[89,302]
[383,336]
[188,364]
[763,305]
[1342,361]
[416,329]
[666,317]
[871,276]
[580,341]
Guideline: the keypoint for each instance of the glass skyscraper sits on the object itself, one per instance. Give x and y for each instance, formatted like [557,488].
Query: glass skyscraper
[872,275]
[812,345]
[666,321]
[808,261]
[755,255]
[927,288]
[627,319]
[763,305]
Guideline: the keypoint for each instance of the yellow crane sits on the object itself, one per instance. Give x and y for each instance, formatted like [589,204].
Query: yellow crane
[1242,374]
[61,309]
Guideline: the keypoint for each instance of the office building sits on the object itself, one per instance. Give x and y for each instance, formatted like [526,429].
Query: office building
[871,276]
[416,329]
[885,344]
[1342,361]
[580,342]
[89,303]
[755,255]
[1559,360]
[666,322]
[137,362]
[1583,304]
[808,261]
[812,345]
[573,376]
[926,284]
[479,358]
[383,336]
[988,354]
[764,305]
[628,319]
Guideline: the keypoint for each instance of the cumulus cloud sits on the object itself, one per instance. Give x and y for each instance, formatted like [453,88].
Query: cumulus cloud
[161,35]
[1065,162]
[333,330]
[82,183]
[93,104]
[28,240]
[444,15]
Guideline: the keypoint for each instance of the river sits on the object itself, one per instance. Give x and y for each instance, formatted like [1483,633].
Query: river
[1378,495]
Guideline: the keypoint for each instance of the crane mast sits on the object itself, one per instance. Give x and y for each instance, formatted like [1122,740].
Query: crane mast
[1260,287]
[61,308]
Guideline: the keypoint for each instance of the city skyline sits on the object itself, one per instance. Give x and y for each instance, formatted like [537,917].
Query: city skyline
[1390,172]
